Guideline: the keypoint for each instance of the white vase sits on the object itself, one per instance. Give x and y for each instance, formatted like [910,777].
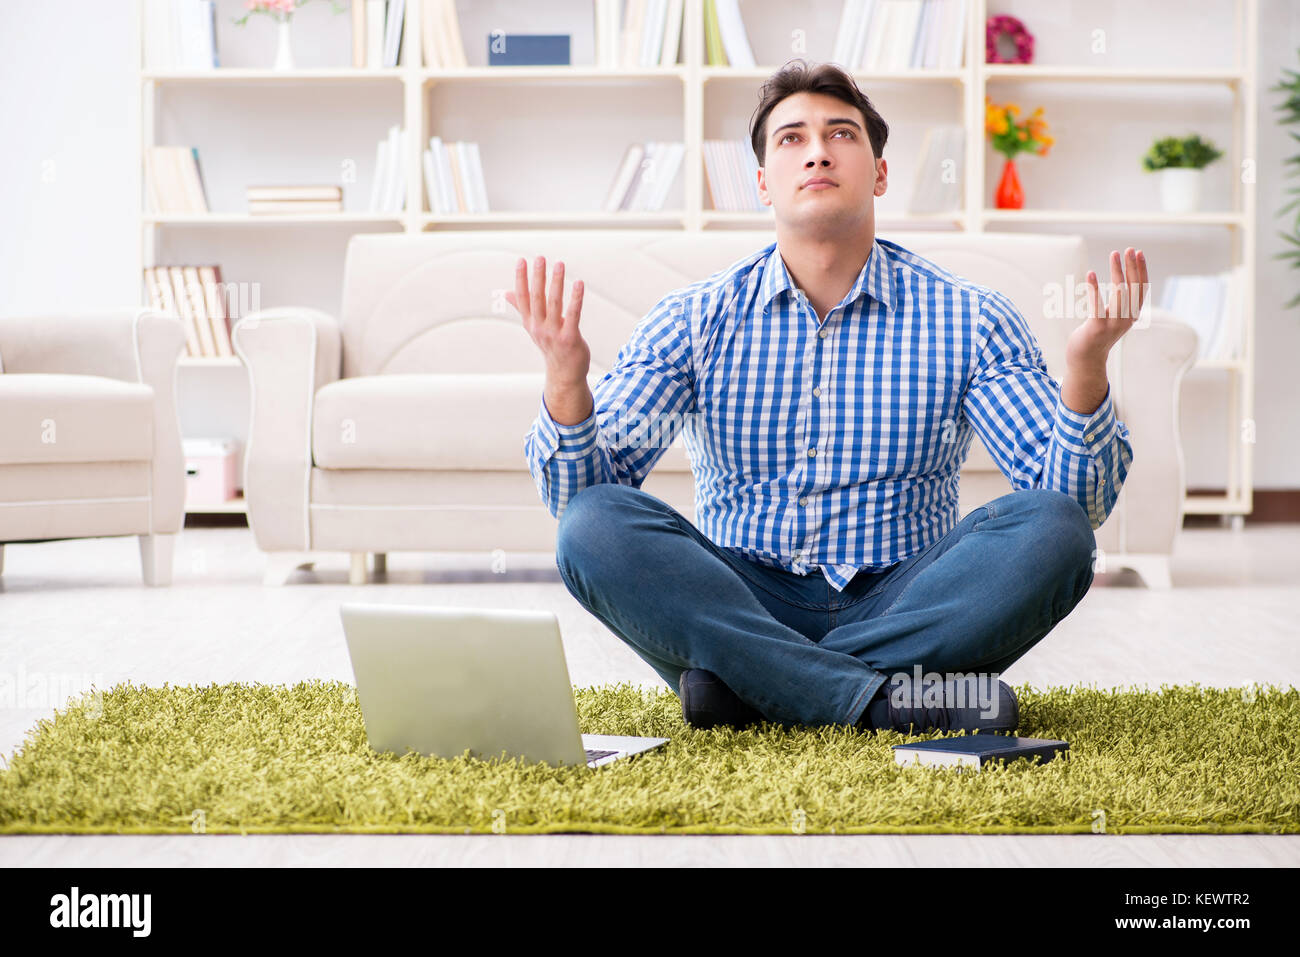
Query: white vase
[283,51]
[1180,189]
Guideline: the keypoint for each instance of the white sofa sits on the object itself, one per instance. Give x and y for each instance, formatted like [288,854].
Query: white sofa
[400,426]
[90,444]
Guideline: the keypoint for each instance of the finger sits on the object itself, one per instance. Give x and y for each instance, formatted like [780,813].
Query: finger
[1143,280]
[575,305]
[1131,282]
[1094,296]
[520,301]
[1114,306]
[555,299]
[539,290]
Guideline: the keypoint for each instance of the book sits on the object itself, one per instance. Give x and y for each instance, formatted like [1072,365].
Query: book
[394,21]
[294,192]
[529,49]
[214,301]
[262,207]
[375,33]
[199,310]
[163,298]
[937,187]
[977,751]
[359,33]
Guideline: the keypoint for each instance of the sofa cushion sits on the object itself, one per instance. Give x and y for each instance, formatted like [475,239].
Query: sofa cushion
[443,421]
[53,417]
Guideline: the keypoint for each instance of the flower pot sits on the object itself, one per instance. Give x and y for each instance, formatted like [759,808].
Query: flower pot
[1180,189]
[1010,195]
[283,51]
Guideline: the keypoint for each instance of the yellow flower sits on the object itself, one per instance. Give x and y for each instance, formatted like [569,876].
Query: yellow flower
[1013,108]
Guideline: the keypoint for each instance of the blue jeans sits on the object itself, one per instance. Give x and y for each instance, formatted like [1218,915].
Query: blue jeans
[792,646]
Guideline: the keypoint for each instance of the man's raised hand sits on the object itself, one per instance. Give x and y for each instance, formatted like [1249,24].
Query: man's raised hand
[549,324]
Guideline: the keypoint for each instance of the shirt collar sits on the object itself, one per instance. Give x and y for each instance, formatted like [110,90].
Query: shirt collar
[875,279]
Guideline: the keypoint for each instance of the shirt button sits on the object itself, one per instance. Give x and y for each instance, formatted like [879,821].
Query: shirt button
[803,501]
[817,391]
[812,453]
[1101,481]
[822,333]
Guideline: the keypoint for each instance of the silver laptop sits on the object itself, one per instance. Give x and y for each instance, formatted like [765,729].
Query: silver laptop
[441,681]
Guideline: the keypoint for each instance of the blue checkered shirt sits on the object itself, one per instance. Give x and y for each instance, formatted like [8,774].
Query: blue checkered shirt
[836,443]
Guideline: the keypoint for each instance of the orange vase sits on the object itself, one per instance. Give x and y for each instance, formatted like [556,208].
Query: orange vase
[1010,195]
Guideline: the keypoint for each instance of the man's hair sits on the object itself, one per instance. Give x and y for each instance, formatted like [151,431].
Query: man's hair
[797,76]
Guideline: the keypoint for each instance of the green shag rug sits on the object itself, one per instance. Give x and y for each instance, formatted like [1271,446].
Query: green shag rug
[248,759]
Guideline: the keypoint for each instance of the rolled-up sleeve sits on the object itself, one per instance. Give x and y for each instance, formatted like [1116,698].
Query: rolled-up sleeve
[639,408]
[1035,439]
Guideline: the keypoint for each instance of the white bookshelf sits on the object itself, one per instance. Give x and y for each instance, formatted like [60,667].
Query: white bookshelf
[692,102]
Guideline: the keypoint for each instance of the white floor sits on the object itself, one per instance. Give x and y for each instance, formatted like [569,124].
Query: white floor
[75,613]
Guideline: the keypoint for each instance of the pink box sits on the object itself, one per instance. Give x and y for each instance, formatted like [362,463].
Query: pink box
[210,471]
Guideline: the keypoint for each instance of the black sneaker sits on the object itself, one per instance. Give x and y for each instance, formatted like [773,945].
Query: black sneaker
[707,702]
[918,720]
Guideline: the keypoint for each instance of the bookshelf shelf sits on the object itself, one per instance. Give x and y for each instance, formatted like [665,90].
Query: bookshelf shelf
[248,219]
[1041,74]
[1119,217]
[692,102]
[861,77]
[224,75]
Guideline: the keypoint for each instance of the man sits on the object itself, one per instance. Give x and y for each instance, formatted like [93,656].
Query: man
[832,384]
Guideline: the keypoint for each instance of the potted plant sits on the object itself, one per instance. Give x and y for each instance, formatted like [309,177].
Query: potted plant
[1291,108]
[282,12]
[1179,162]
[1010,136]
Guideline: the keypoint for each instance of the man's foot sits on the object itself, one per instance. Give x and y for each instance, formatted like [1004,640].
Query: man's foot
[707,702]
[883,713]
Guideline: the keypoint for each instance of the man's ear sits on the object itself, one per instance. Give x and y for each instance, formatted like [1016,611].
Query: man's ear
[762,187]
[882,178]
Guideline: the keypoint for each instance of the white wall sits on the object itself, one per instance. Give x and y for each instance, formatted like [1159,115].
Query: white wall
[68,164]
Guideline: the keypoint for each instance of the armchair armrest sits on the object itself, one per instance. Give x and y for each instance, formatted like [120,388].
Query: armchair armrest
[1153,361]
[132,344]
[289,352]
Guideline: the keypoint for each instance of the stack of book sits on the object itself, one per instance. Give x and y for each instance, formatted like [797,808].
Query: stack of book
[638,33]
[1213,306]
[174,184]
[937,187]
[196,295]
[453,177]
[731,171]
[180,35]
[443,46]
[281,200]
[725,41]
[645,176]
[388,188]
[901,35]
[377,32]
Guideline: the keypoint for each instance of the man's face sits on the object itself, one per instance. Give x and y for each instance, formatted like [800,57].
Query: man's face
[829,141]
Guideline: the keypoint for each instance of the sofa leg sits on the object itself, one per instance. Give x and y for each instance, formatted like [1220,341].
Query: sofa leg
[381,563]
[1154,570]
[358,576]
[156,558]
[280,566]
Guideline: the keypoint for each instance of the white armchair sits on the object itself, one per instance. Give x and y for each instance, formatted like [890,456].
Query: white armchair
[90,443]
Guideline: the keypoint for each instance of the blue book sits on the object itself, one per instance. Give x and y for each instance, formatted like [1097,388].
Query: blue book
[528,49]
[977,750]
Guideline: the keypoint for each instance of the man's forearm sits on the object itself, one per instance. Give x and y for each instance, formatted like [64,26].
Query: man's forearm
[1083,388]
[568,403]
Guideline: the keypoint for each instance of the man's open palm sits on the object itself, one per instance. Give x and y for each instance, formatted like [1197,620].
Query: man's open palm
[550,325]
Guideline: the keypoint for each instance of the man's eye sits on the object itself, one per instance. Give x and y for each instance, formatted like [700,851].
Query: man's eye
[842,130]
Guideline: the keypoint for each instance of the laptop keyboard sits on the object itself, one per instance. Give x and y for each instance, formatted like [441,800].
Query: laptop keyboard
[595,754]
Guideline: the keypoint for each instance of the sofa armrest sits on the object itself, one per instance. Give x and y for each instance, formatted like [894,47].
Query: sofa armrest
[133,344]
[289,353]
[1153,361]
